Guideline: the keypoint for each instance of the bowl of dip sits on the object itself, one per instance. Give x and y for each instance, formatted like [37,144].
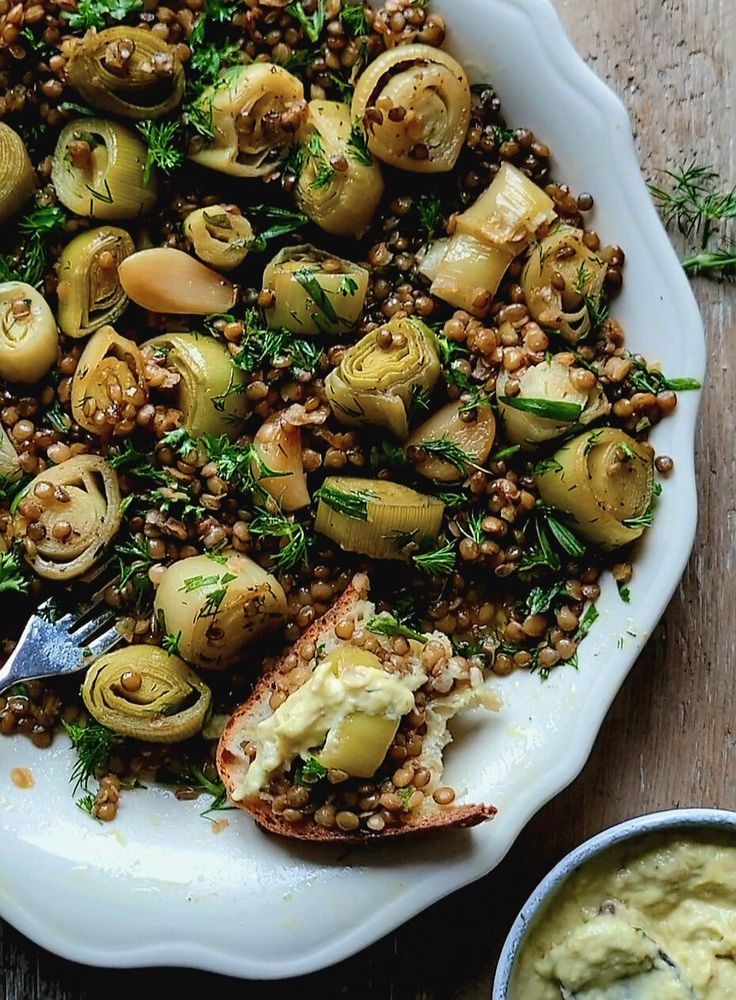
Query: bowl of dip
[646,909]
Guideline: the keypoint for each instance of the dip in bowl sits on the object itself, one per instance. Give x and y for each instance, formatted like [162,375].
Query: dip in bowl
[643,911]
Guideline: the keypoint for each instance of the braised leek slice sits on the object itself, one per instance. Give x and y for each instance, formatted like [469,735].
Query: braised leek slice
[216,606]
[29,339]
[220,235]
[563,283]
[314,292]
[89,289]
[78,519]
[211,390]
[130,72]
[466,272]
[99,171]
[17,176]
[255,111]
[374,385]
[376,517]
[604,479]
[534,414]
[109,386]
[415,101]
[340,185]
[509,213]
[146,694]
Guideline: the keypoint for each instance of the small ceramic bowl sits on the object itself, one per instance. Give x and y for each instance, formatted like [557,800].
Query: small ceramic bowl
[679,820]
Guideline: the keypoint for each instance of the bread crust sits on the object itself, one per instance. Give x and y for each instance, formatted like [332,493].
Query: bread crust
[232,762]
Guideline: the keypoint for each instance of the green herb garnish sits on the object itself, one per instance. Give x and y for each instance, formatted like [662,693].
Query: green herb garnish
[295,551]
[389,625]
[353,504]
[549,409]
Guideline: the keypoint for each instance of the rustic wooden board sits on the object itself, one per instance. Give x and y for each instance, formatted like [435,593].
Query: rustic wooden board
[670,739]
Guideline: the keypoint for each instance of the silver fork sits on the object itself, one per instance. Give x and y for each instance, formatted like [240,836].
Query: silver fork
[50,647]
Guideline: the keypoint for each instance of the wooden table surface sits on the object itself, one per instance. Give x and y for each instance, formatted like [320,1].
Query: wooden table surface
[670,738]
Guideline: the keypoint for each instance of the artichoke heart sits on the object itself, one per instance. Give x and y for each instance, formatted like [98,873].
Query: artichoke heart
[220,235]
[99,171]
[375,385]
[376,517]
[144,693]
[17,176]
[217,606]
[29,339]
[211,390]
[604,480]
[255,112]
[535,415]
[89,289]
[342,202]
[127,71]
[430,93]
[562,280]
[314,292]
[79,520]
[109,382]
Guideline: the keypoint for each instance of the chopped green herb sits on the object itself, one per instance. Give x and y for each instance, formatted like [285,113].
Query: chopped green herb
[389,625]
[138,463]
[162,139]
[358,144]
[449,451]
[353,16]
[180,441]
[305,277]
[11,575]
[549,409]
[284,222]
[313,24]
[240,465]
[93,744]
[353,504]
[29,261]
[438,562]
[170,643]
[429,209]
[309,772]
[590,617]
[294,550]
[624,593]
[541,599]
[94,13]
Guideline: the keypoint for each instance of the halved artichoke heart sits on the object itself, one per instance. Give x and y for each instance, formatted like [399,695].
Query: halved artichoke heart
[18,179]
[89,289]
[562,280]
[29,339]
[534,414]
[604,480]
[147,694]
[375,385]
[314,291]
[130,72]
[376,517]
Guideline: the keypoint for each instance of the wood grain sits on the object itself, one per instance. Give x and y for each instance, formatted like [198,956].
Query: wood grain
[670,739]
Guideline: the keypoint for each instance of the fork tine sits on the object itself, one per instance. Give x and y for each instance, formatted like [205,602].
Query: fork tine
[91,628]
[96,572]
[108,640]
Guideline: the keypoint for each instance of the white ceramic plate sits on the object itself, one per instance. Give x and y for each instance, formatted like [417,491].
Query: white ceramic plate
[159,886]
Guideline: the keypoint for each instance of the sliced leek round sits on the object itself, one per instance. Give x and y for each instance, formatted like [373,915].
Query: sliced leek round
[79,520]
[129,72]
[419,99]
[211,390]
[509,213]
[217,605]
[279,447]
[562,280]
[165,280]
[604,480]
[535,415]
[145,693]
[17,177]
[255,111]
[454,447]
[340,185]
[466,272]
[99,171]
[376,517]
[109,385]
[314,292]
[375,385]
[89,289]
[29,339]
[220,236]
[9,460]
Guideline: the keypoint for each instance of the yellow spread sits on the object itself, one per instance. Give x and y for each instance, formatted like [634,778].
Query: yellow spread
[656,919]
[348,682]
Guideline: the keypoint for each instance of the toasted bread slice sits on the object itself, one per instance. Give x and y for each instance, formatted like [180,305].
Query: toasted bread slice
[240,738]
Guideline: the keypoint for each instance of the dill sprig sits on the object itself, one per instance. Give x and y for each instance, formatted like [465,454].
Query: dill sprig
[358,144]
[352,504]
[283,223]
[429,210]
[353,17]
[261,347]
[294,549]
[134,562]
[647,379]
[449,451]
[240,465]
[36,229]
[695,202]
[437,562]
[164,152]
[93,744]
[722,259]
[137,463]
[180,441]
[389,625]
[11,574]
[313,24]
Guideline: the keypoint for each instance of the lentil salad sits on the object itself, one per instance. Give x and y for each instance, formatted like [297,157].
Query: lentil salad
[507,573]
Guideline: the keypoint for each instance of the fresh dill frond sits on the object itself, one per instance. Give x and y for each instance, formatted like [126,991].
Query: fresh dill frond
[36,229]
[170,643]
[355,20]
[358,144]
[449,451]
[352,504]
[11,574]
[134,562]
[93,744]
[180,441]
[429,210]
[437,562]
[240,465]
[294,548]
[388,625]
[722,260]
[694,202]
[473,527]
[313,24]
[164,152]
[137,463]
[647,379]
